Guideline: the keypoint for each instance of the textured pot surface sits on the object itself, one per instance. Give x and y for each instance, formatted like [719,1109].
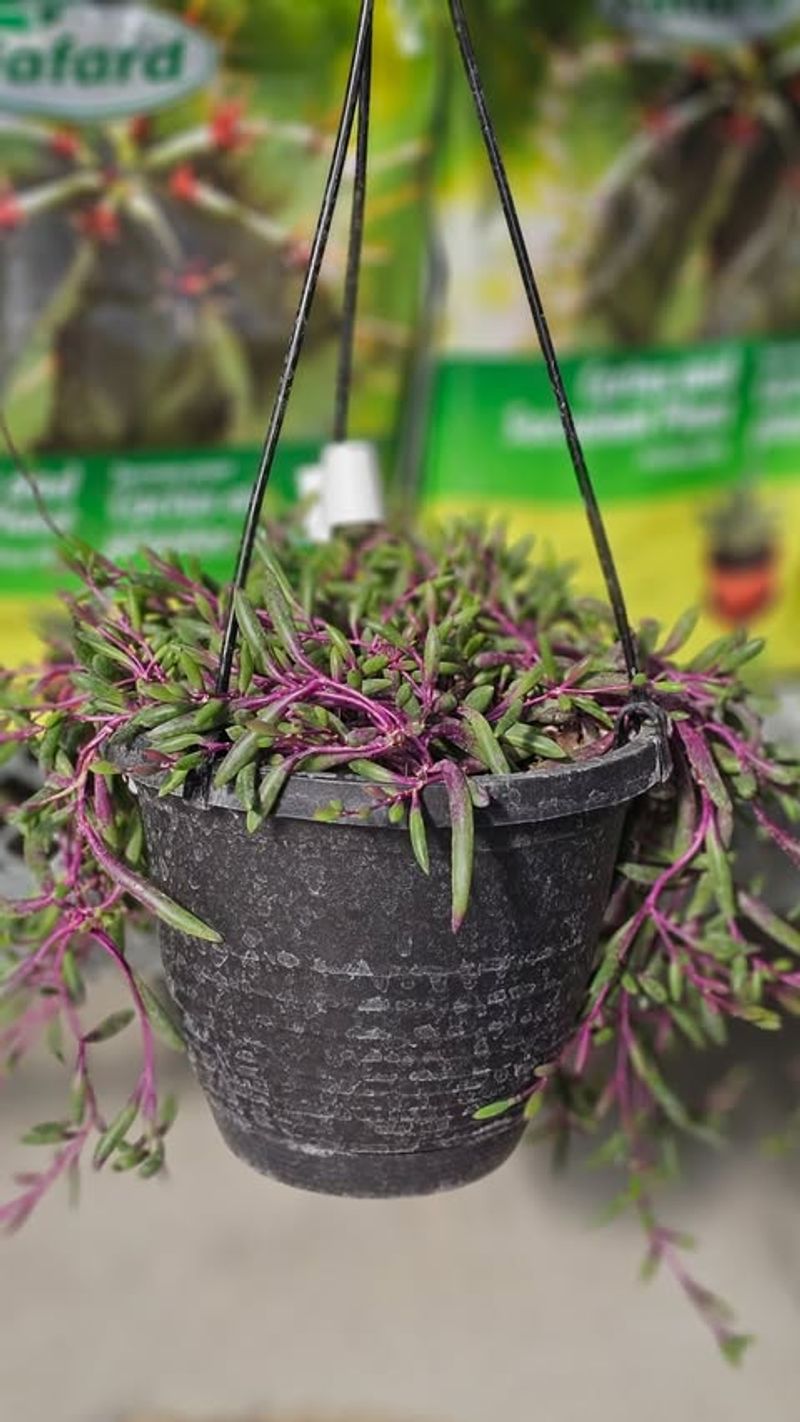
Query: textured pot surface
[344,1036]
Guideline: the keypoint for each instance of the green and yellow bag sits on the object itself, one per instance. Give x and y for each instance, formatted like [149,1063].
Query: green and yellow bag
[654,146]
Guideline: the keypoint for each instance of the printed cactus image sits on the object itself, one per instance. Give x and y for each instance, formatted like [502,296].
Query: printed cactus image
[657,171]
[157,265]
[120,241]
[150,263]
[702,208]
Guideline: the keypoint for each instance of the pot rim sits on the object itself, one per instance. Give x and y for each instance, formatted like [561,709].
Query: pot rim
[763,561]
[554,792]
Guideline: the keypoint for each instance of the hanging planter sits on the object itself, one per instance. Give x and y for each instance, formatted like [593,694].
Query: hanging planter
[349,1018]
[346,1038]
[364,1024]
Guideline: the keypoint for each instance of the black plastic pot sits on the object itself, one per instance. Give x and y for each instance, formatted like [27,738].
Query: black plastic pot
[344,1036]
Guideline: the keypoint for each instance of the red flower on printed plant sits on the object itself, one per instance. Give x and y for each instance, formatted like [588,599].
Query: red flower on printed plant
[12,212]
[183,183]
[197,280]
[297,254]
[741,127]
[227,127]
[100,222]
[658,120]
[192,283]
[702,66]
[140,128]
[65,144]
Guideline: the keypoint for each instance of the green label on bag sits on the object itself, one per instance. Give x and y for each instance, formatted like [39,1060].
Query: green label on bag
[87,62]
[653,423]
[665,433]
[194,500]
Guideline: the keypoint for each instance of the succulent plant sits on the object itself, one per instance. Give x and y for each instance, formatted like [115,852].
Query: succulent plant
[403,661]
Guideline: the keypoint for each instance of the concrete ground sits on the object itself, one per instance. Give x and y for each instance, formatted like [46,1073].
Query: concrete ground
[218,1293]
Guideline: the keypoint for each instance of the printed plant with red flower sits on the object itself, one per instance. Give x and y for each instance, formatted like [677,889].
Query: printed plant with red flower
[114,239]
[712,174]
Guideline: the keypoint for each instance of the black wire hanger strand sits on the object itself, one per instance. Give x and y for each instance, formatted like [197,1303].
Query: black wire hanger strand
[357,100]
[596,522]
[318,250]
[344,382]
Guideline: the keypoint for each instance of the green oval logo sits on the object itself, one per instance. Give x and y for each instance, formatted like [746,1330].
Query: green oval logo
[714,22]
[87,62]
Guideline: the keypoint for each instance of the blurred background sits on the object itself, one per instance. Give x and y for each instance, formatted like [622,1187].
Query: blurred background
[155,216]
